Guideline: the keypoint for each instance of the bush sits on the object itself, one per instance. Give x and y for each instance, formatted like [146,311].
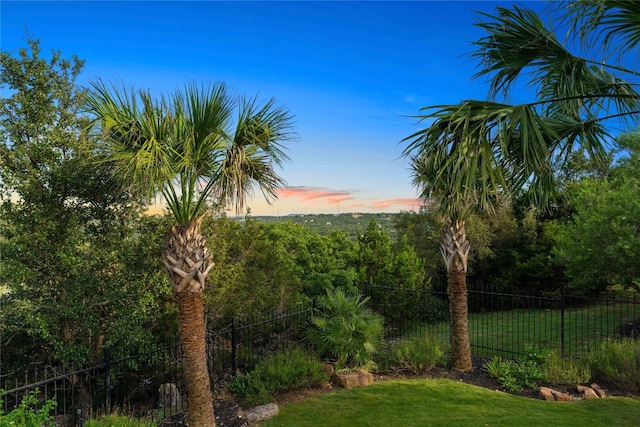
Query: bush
[515,375]
[29,413]
[415,355]
[289,370]
[566,370]
[116,420]
[617,363]
[346,330]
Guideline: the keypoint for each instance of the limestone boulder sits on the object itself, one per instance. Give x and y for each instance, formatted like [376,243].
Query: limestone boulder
[352,379]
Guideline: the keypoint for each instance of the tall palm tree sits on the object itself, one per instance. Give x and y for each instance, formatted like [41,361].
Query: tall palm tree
[475,151]
[458,174]
[191,149]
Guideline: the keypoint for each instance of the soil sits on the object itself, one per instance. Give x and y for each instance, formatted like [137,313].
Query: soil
[227,412]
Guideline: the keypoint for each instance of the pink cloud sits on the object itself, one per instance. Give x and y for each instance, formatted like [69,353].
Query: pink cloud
[311,193]
[406,203]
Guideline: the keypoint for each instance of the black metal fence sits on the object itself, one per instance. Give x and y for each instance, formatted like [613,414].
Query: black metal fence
[509,324]
[150,384]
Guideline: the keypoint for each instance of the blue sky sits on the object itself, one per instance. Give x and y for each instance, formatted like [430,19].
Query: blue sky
[350,73]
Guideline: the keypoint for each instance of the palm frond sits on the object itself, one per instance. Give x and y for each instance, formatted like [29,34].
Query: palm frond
[606,23]
[254,152]
[135,131]
[517,39]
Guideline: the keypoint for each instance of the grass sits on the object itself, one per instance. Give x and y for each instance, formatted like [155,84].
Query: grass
[512,332]
[445,402]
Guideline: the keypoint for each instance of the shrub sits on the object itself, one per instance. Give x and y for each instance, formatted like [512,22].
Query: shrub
[249,389]
[415,355]
[566,370]
[344,329]
[617,363]
[29,413]
[115,420]
[288,370]
[514,375]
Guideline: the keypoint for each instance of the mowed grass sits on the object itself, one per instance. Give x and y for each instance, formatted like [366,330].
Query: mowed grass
[516,331]
[445,402]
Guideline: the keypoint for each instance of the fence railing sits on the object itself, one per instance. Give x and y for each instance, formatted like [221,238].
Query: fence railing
[150,384]
[502,323]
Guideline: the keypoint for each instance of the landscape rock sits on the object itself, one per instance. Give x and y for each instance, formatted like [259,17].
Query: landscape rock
[546,394]
[553,395]
[599,390]
[169,396]
[589,394]
[261,413]
[352,379]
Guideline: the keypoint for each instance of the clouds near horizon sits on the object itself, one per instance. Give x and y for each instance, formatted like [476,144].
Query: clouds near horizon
[327,197]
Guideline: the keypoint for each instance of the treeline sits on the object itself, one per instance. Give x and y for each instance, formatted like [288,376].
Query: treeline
[80,261]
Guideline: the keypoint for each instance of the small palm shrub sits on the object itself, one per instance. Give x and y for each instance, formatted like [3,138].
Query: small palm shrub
[29,413]
[288,370]
[415,354]
[617,363]
[345,330]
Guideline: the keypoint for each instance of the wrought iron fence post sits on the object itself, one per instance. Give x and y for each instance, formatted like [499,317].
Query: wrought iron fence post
[107,380]
[562,307]
[234,345]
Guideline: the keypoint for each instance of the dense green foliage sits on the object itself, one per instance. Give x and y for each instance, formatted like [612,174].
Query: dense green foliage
[77,273]
[289,370]
[598,246]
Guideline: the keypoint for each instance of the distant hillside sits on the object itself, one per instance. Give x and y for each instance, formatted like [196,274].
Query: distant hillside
[350,223]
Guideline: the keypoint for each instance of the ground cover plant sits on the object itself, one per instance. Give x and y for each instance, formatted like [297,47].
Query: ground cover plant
[444,402]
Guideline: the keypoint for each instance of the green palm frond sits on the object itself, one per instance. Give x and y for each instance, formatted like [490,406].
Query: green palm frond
[134,129]
[606,23]
[475,151]
[254,152]
[186,147]
[517,39]
[519,43]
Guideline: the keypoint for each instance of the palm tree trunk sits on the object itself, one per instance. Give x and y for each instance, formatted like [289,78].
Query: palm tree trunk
[187,262]
[455,251]
[192,336]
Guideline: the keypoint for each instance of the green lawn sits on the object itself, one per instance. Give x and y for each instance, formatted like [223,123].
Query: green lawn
[449,403]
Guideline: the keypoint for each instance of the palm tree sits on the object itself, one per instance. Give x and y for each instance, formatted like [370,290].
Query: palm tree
[476,152]
[458,175]
[189,148]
